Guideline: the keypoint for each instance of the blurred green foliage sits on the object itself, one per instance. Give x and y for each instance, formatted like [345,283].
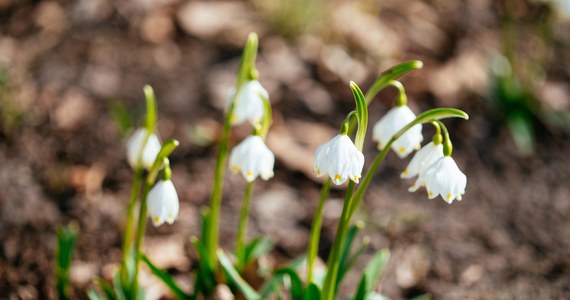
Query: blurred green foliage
[10,116]
[66,238]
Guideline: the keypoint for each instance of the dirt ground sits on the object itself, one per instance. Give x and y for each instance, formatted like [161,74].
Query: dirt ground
[71,78]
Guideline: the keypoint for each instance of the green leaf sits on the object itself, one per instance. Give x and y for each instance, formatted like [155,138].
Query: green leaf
[66,238]
[312,292]
[93,295]
[361,291]
[235,278]
[247,65]
[167,279]
[345,252]
[120,293]
[204,222]
[296,283]
[151,110]
[106,288]
[393,73]
[206,272]
[296,288]
[258,247]
[522,129]
[361,113]
[351,261]
[374,269]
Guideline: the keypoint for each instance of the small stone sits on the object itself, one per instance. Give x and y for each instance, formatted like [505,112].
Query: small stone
[74,110]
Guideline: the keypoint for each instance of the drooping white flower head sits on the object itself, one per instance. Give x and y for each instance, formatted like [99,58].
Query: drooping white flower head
[162,203]
[248,105]
[149,150]
[340,159]
[444,178]
[252,158]
[426,156]
[391,123]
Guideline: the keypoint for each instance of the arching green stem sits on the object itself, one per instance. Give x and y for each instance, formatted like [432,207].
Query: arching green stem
[437,139]
[447,145]
[402,98]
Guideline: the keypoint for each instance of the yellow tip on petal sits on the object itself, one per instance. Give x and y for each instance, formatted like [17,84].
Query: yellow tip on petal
[318,172]
[449,196]
[355,178]
[156,219]
[249,174]
[430,194]
[170,219]
[401,149]
[405,172]
[337,177]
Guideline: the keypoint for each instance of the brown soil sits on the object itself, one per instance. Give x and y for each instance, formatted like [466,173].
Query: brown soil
[71,77]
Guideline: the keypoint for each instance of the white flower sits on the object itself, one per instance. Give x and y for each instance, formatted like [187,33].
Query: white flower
[426,156]
[391,123]
[252,158]
[248,104]
[340,159]
[162,203]
[444,178]
[135,146]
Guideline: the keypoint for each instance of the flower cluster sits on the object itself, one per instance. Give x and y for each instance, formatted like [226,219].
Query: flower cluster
[435,170]
[251,157]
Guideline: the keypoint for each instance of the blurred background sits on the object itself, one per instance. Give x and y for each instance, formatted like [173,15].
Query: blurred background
[71,78]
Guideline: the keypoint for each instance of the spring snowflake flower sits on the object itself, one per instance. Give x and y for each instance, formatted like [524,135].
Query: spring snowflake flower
[162,203]
[340,159]
[249,103]
[444,178]
[149,150]
[252,158]
[391,123]
[426,156]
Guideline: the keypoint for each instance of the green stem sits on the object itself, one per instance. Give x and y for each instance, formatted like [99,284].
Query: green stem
[316,231]
[333,263]
[139,239]
[216,200]
[130,225]
[242,227]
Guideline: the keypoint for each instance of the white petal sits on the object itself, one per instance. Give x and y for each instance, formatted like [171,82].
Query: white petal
[249,104]
[252,158]
[162,203]
[423,159]
[444,178]
[148,152]
[340,159]
[391,123]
